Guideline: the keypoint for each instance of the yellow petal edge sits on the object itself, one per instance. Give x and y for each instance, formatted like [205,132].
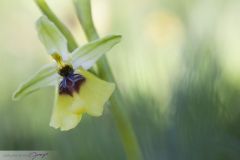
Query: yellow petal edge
[93,94]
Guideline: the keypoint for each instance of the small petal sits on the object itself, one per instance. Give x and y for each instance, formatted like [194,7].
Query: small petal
[51,37]
[94,93]
[46,76]
[87,55]
[92,96]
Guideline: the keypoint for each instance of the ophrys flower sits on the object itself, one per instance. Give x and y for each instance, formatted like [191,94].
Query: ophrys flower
[77,90]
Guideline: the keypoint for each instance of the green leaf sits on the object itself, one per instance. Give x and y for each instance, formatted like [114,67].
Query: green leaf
[87,55]
[46,76]
[53,40]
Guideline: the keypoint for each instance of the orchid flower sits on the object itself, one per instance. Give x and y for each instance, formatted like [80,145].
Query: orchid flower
[77,90]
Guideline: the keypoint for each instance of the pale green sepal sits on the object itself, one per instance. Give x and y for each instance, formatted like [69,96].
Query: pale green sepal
[53,40]
[87,55]
[43,6]
[46,76]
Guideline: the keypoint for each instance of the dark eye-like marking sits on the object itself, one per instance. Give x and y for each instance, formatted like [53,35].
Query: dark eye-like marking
[71,82]
[66,71]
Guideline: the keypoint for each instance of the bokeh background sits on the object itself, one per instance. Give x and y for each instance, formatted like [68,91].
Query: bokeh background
[178,68]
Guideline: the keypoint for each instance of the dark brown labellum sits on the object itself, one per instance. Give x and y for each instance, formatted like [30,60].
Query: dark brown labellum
[71,82]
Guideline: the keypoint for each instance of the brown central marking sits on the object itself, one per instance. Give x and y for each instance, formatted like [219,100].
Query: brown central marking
[71,82]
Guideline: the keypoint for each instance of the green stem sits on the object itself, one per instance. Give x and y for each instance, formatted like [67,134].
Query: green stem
[122,121]
[83,8]
[72,44]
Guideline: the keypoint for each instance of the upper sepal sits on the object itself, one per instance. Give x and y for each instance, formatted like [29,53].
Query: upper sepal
[87,55]
[51,37]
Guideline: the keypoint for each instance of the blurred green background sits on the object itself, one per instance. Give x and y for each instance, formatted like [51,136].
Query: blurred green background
[178,67]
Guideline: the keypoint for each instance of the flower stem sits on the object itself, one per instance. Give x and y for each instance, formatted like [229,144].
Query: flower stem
[122,122]
[120,117]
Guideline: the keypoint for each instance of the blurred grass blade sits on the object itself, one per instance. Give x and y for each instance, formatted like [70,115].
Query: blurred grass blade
[46,76]
[83,8]
[51,37]
[87,55]
[72,44]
